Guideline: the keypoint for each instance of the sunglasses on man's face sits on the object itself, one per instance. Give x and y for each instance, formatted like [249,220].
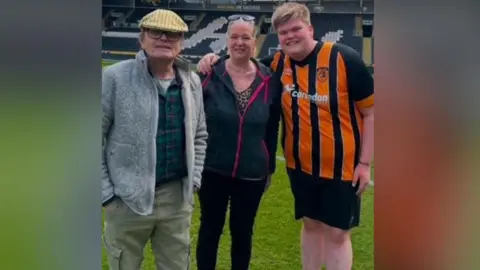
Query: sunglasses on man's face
[244,17]
[157,34]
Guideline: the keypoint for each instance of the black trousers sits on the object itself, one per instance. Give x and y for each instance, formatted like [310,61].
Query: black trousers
[215,194]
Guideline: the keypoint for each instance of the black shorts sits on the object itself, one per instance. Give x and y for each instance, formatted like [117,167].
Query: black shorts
[332,202]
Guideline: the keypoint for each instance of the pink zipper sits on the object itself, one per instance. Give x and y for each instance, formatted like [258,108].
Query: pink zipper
[240,128]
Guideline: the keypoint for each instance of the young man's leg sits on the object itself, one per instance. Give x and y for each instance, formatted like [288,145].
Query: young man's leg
[305,192]
[125,236]
[339,213]
[214,196]
[312,244]
[323,244]
[338,249]
[329,209]
[246,197]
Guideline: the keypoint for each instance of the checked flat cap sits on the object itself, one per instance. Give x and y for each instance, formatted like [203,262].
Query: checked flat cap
[162,19]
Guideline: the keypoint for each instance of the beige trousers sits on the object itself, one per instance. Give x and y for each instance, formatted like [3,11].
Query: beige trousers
[168,229]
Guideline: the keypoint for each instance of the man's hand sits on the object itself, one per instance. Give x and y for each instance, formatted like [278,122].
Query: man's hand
[205,64]
[361,176]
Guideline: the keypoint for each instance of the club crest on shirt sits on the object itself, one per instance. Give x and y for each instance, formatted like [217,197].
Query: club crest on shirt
[322,74]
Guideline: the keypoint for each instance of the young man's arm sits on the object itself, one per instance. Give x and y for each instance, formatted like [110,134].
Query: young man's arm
[361,89]
[273,61]
[271,138]
[108,85]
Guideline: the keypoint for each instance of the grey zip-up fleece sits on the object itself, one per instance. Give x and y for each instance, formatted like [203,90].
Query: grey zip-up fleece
[130,119]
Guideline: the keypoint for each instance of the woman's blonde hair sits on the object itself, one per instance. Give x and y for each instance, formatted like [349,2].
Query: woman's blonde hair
[288,11]
[252,23]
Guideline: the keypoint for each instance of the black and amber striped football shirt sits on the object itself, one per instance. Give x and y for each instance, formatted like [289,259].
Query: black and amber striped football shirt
[322,95]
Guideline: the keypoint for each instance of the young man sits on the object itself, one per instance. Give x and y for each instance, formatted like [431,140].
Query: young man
[327,115]
[154,140]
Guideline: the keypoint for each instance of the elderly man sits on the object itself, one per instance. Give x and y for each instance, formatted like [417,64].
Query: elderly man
[154,141]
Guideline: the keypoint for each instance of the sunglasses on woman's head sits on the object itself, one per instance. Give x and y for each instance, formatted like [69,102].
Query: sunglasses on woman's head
[244,17]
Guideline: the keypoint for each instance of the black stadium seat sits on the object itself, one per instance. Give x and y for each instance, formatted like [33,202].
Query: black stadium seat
[120,44]
[210,34]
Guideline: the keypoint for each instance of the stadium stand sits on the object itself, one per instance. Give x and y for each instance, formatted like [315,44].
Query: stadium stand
[120,44]
[333,20]
[328,27]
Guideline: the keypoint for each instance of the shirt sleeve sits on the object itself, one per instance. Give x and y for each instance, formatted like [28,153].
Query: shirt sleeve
[273,61]
[271,139]
[359,79]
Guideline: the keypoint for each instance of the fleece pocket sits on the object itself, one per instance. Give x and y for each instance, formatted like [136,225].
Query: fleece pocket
[122,155]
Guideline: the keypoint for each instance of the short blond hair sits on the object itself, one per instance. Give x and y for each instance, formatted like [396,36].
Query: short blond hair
[288,11]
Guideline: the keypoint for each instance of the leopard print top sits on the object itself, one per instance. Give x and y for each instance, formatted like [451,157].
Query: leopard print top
[243,98]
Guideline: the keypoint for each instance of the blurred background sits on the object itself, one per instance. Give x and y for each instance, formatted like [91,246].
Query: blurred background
[346,21]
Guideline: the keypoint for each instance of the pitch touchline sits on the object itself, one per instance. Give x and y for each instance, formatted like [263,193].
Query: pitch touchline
[283,159]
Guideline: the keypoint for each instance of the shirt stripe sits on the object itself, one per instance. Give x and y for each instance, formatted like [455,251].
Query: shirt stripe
[322,123]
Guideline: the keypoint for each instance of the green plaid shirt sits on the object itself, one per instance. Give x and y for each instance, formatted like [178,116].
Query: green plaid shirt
[171,162]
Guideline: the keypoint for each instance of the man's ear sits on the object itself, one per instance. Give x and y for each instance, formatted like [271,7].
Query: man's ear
[141,37]
[311,30]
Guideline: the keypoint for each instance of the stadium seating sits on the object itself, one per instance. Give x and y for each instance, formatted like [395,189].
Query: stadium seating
[211,27]
[120,44]
[136,15]
[105,11]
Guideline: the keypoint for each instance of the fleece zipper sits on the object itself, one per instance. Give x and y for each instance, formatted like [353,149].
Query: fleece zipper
[240,128]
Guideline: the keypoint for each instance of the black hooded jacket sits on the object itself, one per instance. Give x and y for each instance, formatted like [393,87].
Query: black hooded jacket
[241,146]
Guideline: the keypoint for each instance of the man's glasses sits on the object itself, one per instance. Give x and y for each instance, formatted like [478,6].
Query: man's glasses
[157,34]
[244,17]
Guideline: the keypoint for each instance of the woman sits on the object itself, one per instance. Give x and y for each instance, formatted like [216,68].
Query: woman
[242,112]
